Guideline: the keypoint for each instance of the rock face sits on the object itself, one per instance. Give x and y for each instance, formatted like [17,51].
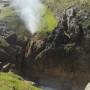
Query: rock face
[11,53]
[67,46]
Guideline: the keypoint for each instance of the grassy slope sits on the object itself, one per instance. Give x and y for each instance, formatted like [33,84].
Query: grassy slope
[10,81]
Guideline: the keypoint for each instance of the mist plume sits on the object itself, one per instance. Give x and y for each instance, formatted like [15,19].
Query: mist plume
[30,12]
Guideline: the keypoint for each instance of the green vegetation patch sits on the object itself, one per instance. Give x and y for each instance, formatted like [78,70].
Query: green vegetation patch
[48,22]
[10,81]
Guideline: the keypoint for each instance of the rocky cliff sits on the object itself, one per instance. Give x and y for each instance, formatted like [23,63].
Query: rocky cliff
[66,47]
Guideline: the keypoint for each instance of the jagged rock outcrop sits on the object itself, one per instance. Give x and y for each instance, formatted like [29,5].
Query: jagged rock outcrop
[65,46]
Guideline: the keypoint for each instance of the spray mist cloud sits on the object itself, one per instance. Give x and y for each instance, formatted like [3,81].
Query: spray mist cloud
[29,11]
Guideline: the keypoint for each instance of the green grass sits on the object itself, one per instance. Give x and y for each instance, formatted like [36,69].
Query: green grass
[10,81]
[49,21]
